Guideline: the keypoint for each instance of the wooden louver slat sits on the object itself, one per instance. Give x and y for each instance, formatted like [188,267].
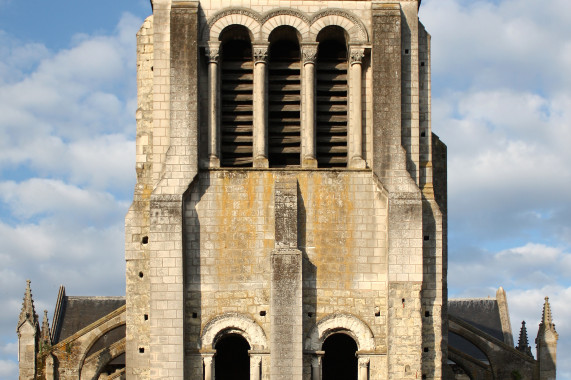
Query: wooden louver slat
[331,107]
[284,127]
[236,116]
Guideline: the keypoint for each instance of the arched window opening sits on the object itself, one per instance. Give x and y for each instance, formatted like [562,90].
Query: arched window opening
[284,121]
[237,85]
[331,96]
[114,366]
[340,361]
[232,361]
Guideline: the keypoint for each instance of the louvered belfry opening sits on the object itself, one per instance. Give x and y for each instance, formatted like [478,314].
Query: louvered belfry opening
[236,97]
[331,98]
[284,81]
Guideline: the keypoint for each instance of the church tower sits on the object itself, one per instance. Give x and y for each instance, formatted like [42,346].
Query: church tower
[289,217]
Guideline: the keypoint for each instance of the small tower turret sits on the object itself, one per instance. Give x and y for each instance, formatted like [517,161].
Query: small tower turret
[45,338]
[546,342]
[523,344]
[28,335]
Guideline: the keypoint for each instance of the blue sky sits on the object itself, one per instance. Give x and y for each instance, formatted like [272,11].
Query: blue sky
[501,102]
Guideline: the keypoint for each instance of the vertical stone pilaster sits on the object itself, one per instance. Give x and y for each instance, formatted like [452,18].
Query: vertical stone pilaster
[308,127]
[260,107]
[167,338]
[410,86]
[405,223]
[286,342]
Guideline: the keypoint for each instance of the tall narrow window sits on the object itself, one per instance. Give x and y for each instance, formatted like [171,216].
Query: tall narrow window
[331,91]
[284,124]
[236,98]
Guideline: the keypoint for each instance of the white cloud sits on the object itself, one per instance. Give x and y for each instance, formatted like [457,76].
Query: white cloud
[8,369]
[59,203]
[73,102]
[507,162]
[523,267]
[67,159]
[489,44]
[9,348]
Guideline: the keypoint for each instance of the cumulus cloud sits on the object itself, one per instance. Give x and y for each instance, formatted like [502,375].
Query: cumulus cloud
[8,369]
[67,163]
[524,267]
[489,44]
[508,162]
[70,109]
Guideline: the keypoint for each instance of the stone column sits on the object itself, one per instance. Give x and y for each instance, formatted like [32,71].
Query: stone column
[309,55]
[213,53]
[355,110]
[260,107]
[208,360]
[316,365]
[363,368]
[255,367]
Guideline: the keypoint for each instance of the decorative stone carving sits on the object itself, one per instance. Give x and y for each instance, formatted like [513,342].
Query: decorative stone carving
[260,54]
[213,54]
[316,360]
[356,55]
[309,53]
[358,24]
[364,362]
[285,12]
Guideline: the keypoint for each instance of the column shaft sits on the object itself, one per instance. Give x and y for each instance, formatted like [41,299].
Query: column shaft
[213,122]
[208,365]
[309,53]
[356,111]
[260,108]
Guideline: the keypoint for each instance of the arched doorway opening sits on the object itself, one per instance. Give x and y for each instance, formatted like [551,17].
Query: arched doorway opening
[339,361]
[232,361]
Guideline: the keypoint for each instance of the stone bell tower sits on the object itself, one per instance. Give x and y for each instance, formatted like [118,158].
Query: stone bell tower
[289,216]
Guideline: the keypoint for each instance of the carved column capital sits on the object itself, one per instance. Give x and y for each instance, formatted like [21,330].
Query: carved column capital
[213,53]
[309,53]
[364,362]
[316,358]
[255,360]
[260,53]
[356,55]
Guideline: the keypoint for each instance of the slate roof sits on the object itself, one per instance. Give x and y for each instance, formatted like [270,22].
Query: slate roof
[79,312]
[482,313]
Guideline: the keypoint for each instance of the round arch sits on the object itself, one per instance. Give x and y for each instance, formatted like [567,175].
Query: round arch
[231,16]
[338,17]
[285,17]
[233,323]
[340,323]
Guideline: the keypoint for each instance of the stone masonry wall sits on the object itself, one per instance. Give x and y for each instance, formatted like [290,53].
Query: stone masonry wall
[342,236]
[137,219]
